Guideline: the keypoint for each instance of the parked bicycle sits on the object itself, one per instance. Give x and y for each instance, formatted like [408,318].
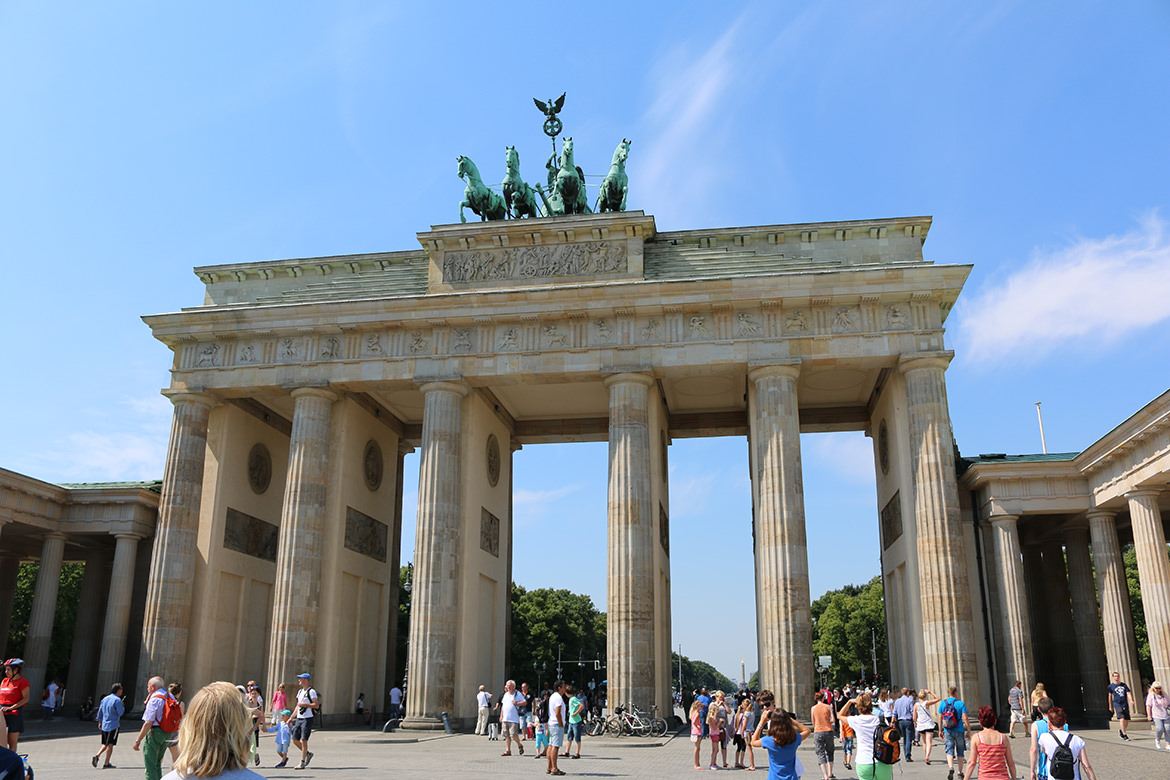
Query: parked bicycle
[629,721]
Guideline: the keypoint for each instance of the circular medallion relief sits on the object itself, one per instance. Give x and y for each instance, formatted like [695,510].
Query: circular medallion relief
[372,465]
[259,468]
[493,460]
[884,447]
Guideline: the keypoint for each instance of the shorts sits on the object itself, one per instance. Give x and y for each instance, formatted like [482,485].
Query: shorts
[696,738]
[1018,716]
[847,745]
[740,742]
[15,722]
[1122,713]
[110,737]
[556,735]
[281,747]
[956,744]
[541,740]
[823,745]
[926,731]
[875,771]
[511,729]
[575,732]
[302,728]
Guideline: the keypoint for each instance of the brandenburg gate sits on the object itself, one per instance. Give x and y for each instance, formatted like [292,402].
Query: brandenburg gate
[300,385]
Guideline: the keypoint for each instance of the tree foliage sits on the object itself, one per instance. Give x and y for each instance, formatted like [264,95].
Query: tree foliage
[64,618]
[700,674]
[845,624]
[1141,635]
[549,621]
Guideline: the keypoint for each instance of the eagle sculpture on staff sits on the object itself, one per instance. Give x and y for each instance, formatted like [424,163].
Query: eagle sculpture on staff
[552,123]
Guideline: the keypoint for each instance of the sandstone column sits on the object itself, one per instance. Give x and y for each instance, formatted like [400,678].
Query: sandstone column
[1086,619]
[117,613]
[783,612]
[292,647]
[44,606]
[1013,600]
[9,570]
[1120,646]
[947,623]
[1065,685]
[430,688]
[1038,617]
[404,449]
[1149,542]
[87,636]
[167,619]
[630,559]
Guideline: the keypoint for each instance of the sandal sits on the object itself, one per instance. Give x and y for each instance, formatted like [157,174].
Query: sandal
[556,772]
[506,753]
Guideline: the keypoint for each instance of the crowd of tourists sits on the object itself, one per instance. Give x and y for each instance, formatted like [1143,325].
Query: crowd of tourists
[877,727]
[553,719]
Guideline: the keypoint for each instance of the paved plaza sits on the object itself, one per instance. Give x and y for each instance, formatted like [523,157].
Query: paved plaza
[61,750]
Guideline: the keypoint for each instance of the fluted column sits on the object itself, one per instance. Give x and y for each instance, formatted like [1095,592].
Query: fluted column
[87,635]
[783,611]
[292,646]
[1116,620]
[117,612]
[44,606]
[1086,618]
[1149,542]
[1065,685]
[430,690]
[9,571]
[167,619]
[395,563]
[1013,600]
[947,622]
[630,559]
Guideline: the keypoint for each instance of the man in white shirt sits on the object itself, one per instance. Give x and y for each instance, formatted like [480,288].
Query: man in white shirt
[484,699]
[395,702]
[303,726]
[558,718]
[510,703]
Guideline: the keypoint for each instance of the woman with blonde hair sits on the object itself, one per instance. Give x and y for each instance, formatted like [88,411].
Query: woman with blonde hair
[1038,693]
[215,736]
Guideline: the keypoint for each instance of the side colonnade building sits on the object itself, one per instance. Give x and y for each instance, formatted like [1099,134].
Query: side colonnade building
[300,386]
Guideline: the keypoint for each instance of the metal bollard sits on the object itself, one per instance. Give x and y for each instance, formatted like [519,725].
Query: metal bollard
[447,723]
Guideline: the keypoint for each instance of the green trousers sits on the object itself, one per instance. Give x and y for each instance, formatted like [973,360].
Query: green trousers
[154,747]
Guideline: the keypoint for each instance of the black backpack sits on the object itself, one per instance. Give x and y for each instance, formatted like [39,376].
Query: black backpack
[887,743]
[542,710]
[1062,765]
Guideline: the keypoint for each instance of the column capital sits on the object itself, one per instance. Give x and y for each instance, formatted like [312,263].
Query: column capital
[449,385]
[201,399]
[134,536]
[629,378]
[1100,514]
[323,393]
[789,369]
[914,361]
[1004,519]
[1142,492]
[404,448]
[54,536]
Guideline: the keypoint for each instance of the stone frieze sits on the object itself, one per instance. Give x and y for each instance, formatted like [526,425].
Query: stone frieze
[534,262]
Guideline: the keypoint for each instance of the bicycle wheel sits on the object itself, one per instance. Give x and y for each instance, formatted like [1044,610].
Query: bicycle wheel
[641,728]
[596,727]
[613,726]
[658,727]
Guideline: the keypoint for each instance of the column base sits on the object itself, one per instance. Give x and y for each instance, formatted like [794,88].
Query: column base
[421,724]
[1098,718]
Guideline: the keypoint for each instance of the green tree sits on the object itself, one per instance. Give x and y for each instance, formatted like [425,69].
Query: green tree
[64,618]
[547,621]
[846,622]
[402,640]
[1140,633]
[700,674]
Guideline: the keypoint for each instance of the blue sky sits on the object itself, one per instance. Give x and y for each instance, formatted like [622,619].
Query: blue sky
[142,139]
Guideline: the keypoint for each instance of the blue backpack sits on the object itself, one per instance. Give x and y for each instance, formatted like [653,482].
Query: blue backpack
[948,715]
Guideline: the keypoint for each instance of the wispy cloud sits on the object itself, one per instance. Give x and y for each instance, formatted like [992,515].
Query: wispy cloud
[131,445]
[685,123]
[1093,292]
[847,457]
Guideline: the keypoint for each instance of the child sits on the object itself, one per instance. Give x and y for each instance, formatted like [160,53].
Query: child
[697,729]
[281,728]
[540,712]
